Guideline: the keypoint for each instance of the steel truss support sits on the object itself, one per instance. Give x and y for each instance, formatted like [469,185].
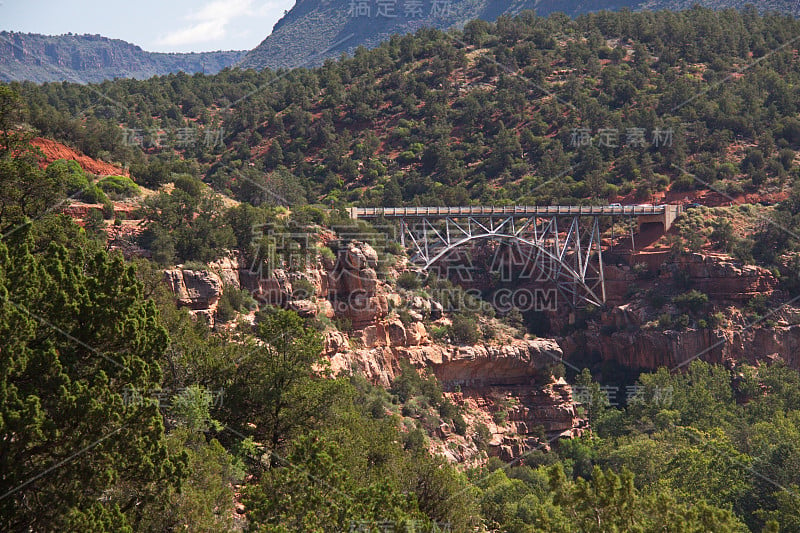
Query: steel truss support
[564,250]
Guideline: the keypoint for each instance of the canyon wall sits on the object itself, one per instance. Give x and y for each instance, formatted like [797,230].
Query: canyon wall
[514,376]
[628,334]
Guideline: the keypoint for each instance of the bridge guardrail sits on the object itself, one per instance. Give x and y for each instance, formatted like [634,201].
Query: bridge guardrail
[482,211]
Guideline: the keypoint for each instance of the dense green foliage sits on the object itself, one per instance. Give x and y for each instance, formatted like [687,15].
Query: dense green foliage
[119,412]
[413,121]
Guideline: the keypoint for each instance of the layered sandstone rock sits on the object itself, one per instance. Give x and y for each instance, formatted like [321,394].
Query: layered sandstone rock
[227,268]
[520,362]
[378,341]
[199,290]
[718,276]
[271,288]
[537,417]
[650,349]
[621,335]
[355,291]
[721,278]
[195,289]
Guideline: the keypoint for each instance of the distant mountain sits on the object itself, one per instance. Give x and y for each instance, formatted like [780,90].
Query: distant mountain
[94,58]
[314,30]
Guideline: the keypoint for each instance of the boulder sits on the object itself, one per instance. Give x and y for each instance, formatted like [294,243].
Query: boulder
[334,342]
[273,288]
[227,268]
[195,289]
[396,332]
[416,334]
[304,308]
[353,281]
[436,310]
[361,309]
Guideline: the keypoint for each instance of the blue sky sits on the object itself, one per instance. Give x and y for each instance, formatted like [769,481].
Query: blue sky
[155,25]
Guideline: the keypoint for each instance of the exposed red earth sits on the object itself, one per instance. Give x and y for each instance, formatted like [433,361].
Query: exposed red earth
[53,150]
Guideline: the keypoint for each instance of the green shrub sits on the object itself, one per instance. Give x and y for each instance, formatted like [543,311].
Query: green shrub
[411,408]
[118,187]
[302,289]
[377,408]
[327,255]
[411,384]
[343,324]
[716,320]
[405,317]
[692,300]
[409,280]
[92,194]
[307,215]
[94,224]
[75,183]
[683,182]
[108,209]
[439,333]
[448,410]
[195,265]
[482,436]
[233,301]
[758,304]
[500,417]
[415,440]
[459,425]
[394,248]
[430,422]
[464,330]
[69,175]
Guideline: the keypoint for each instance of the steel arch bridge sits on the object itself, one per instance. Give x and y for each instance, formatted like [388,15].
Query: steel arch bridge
[564,241]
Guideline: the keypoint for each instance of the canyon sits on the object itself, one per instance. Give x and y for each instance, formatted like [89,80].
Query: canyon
[518,376]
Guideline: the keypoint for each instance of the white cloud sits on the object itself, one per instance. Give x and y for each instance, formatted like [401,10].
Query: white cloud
[209,23]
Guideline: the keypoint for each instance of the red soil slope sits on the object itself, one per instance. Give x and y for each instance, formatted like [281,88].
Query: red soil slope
[53,150]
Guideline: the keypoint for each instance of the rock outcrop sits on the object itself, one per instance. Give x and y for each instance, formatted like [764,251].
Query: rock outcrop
[199,290]
[622,333]
[520,362]
[648,349]
[520,420]
[227,269]
[722,279]
[376,341]
[719,277]
[355,291]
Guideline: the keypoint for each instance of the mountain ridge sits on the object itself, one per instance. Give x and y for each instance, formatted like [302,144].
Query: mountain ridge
[91,58]
[315,30]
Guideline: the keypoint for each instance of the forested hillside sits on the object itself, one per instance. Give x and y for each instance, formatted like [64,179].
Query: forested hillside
[315,30]
[602,107]
[122,410]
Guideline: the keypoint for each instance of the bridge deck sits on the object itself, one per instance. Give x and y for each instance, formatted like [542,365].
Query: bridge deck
[521,211]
